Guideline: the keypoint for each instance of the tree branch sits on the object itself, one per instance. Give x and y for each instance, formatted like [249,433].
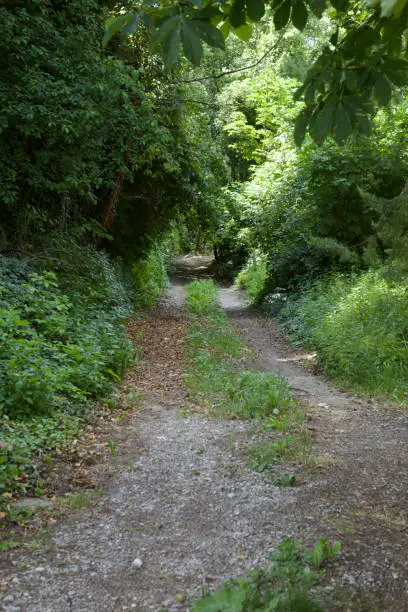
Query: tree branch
[186,100]
[222,74]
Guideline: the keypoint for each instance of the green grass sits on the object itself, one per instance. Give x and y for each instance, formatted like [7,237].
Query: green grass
[285,586]
[252,277]
[358,326]
[201,297]
[215,352]
[215,355]
[295,446]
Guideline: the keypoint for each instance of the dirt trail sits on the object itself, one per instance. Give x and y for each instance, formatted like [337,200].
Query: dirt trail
[184,502]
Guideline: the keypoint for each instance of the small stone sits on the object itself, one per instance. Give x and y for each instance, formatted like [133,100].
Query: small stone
[137,563]
[349,578]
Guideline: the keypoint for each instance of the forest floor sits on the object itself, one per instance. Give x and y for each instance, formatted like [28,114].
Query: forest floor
[179,510]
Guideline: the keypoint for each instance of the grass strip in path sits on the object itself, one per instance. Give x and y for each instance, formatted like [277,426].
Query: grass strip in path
[217,378]
[216,355]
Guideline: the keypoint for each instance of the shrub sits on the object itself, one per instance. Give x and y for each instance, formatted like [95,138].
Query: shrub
[60,349]
[252,277]
[149,276]
[359,328]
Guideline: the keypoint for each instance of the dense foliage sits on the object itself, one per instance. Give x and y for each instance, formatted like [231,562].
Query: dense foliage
[89,134]
[114,150]
[358,326]
[363,57]
[62,345]
[295,216]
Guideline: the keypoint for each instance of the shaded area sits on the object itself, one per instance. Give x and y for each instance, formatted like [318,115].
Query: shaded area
[184,502]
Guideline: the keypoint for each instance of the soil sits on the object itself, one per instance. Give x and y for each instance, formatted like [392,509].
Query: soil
[181,511]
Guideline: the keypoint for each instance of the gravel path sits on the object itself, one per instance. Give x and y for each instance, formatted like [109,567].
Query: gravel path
[183,511]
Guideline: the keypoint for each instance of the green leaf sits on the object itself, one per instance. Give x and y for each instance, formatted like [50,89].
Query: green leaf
[317,7]
[399,8]
[321,122]
[192,46]
[255,9]
[318,553]
[282,14]
[299,15]
[334,38]
[225,28]
[342,124]
[209,34]
[116,25]
[301,124]
[364,125]
[132,26]
[382,90]
[309,93]
[388,7]
[237,13]
[351,80]
[396,70]
[224,600]
[209,13]
[244,32]
[165,29]
[299,92]
[172,48]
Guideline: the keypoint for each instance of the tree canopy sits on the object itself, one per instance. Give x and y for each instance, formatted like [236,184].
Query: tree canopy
[363,57]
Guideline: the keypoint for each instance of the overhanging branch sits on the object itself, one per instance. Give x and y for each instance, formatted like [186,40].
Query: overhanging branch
[227,72]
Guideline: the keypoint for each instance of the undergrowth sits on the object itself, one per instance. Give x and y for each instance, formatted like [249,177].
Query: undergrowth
[285,586]
[358,326]
[252,277]
[215,355]
[63,346]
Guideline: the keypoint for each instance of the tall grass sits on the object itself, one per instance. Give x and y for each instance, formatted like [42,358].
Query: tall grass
[252,277]
[359,328]
[215,352]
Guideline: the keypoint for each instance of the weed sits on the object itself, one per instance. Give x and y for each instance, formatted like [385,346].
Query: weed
[201,297]
[213,350]
[284,586]
[82,498]
[112,447]
[295,446]
[43,541]
[284,480]
[9,544]
[133,398]
[214,354]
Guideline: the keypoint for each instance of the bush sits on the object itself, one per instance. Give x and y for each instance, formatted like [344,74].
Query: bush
[149,276]
[24,444]
[252,277]
[359,328]
[57,349]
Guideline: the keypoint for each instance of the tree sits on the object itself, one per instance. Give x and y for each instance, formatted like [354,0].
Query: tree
[361,62]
